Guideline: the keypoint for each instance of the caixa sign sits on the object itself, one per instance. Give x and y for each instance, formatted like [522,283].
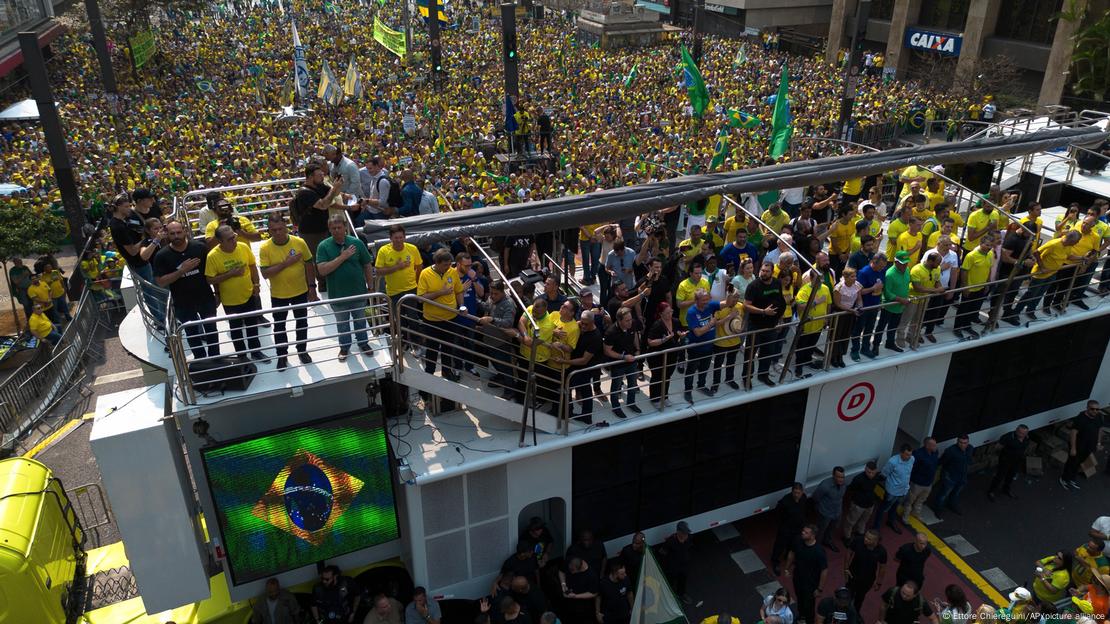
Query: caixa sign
[942,43]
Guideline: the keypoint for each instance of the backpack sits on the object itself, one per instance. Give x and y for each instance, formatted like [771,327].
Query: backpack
[394,199]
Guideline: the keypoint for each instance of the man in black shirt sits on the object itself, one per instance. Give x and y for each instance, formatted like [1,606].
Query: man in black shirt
[903,604]
[1013,248]
[146,205]
[335,598]
[632,556]
[589,352]
[529,597]
[127,230]
[864,566]
[660,290]
[588,549]
[537,535]
[523,563]
[516,254]
[838,609]
[911,558]
[867,246]
[580,588]
[1011,458]
[764,304]
[861,500]
[791,514]
[620,347]
[809,567]
[310,210]
[544,127]
[1086,429]
[180,267]
[675,558]
[614,601]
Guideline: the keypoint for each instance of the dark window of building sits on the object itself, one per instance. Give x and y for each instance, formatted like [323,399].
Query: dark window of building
[990,385]
[659,475]
[882,9]
[945,14]
[1028,20]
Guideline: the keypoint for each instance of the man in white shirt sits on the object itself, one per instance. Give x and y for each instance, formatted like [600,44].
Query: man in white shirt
[792,199]
[1100,529]
[338,164]
[949,276]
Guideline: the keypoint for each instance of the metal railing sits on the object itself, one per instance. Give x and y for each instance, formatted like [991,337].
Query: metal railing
[254,201]
[796,346]
[33,389]
[253,337]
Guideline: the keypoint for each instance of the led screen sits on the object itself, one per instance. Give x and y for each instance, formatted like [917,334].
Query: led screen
[293,497]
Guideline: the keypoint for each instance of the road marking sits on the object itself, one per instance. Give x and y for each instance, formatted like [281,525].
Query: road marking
[748,561]
[969,573]
[927,516]
[114,377]
[768,588]
[960,545]
[50,439]
[999,579]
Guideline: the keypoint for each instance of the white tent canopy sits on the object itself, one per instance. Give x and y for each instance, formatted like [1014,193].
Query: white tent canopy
[27,110]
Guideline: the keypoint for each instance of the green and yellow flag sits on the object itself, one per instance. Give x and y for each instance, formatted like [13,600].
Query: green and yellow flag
[695,86]
[782,125]
[720,150]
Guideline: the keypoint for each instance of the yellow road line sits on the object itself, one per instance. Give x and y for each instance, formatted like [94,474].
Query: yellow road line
[962,566]
[48,440]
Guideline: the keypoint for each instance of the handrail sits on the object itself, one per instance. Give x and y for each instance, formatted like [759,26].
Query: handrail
[570,278]
[778,239]
[1069,159]
[495,266]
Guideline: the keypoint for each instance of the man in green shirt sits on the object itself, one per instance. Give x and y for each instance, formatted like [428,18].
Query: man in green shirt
[896,294]
[345,261]
[20,278]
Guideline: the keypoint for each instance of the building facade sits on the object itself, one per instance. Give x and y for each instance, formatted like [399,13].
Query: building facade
[1025,31]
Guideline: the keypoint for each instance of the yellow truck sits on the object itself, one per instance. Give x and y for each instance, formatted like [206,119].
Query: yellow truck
[42,555]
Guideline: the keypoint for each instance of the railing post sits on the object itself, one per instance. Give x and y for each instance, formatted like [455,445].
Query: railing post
[830,340]
[564,401]
[529,386]
[664,382]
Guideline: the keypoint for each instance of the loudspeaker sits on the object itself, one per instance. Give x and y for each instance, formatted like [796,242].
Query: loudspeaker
[978,176]
[394,397]
[231,373]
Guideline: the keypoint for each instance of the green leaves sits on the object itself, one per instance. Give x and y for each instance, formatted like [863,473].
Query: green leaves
[26,232]
[1090,59]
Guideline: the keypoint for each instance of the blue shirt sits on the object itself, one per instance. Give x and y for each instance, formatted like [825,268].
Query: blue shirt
[731,254]
[924,467]
[897,473]
[956,463]
[701,318]
[867,277]
[411,194]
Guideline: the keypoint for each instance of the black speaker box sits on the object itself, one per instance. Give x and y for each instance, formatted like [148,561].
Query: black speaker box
[231,373]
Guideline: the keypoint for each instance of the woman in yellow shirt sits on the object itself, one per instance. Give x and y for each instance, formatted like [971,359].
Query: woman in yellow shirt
[1052,578]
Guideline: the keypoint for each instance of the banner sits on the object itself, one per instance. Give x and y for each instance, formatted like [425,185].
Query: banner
[142,48]
[300,67]
[393,40]
[352,82]
[330,90]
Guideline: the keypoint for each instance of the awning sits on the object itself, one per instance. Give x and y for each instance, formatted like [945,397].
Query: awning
[47,33]
[611,205]
[26,110]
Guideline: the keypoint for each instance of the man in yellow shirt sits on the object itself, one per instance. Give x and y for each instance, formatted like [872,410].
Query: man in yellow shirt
[814,289]
[1049,257]
[979,223]
[399,263]
[975,272]
[565,336]
[1093,235]
[39,292]
[947,228]
[840,237]
[225,215]
[934,223]
[41,327]
[543,334]
[895,229]
[286,261]
[53,277]
[924,282]
[684,296]
[441,283]
[775,218]
[911,241]
[913,173]
[727,345]
[231,268]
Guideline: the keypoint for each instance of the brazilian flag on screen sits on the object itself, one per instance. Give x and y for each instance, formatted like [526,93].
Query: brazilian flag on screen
[290,498]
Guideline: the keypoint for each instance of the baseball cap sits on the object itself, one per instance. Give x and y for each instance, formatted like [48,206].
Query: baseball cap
[683,527]
[1020,594]
[902,257]
[585,292]
[842,594]
[141,194]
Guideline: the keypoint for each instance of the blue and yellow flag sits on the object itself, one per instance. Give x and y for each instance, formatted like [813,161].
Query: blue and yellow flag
[330,91]
[352,82]
[422,6]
